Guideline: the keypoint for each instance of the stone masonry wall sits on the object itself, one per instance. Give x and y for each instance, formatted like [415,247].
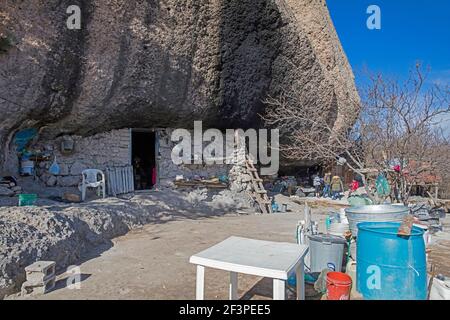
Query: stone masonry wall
[113,148]
[95,152]
[168,170]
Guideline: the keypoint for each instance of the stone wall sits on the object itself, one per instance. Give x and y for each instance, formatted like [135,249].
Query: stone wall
[97,152]
[168,170]
[113,148]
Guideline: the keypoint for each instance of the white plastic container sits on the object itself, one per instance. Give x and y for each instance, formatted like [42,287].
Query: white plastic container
[27,167]
[350,269]
[440,290]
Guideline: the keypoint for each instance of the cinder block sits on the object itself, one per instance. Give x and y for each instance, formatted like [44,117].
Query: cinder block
[36,289]
[45,267]
[38,278]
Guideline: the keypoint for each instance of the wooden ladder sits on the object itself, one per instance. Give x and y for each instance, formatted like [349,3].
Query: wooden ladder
[259,194]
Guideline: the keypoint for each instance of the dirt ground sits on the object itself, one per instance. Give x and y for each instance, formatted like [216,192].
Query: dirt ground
[153,262]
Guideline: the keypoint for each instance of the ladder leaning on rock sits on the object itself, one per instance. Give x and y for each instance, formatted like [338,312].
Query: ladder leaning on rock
[259,193]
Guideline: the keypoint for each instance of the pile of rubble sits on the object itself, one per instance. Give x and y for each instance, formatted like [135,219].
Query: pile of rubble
[240,180]
[9,187]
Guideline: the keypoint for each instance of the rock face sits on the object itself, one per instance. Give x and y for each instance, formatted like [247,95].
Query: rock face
[164,64]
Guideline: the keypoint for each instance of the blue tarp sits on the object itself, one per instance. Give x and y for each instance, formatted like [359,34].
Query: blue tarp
[22,138]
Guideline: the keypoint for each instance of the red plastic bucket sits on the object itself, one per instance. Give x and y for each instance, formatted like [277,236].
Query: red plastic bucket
[339,286]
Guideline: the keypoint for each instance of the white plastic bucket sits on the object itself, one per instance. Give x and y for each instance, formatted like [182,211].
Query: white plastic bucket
[27,167]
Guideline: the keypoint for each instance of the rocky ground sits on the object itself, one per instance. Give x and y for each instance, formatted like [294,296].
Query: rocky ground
[150,236]
[64,233]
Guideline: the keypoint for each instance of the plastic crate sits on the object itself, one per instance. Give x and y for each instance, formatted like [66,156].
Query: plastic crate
[27,199]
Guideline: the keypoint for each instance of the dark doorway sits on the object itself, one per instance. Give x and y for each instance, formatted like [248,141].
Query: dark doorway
[143,158]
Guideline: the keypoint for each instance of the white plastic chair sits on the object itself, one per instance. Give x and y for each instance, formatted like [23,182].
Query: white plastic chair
[91,180]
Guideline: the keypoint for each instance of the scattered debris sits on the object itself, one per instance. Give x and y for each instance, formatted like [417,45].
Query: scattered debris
[196,196]
[205,183]
[429,216]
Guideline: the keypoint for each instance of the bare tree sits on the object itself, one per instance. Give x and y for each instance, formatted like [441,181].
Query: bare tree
[396,129]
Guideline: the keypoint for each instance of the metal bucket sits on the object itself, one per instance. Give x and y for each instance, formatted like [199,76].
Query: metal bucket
[326,252]
[374,213]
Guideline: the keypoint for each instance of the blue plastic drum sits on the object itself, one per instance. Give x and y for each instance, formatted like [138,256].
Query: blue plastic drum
[388,266]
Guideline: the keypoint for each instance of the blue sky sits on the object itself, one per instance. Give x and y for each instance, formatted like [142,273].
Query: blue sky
[414,30]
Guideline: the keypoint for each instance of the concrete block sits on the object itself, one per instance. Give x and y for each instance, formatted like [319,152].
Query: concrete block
[45,267]
[38,278]
[29,288]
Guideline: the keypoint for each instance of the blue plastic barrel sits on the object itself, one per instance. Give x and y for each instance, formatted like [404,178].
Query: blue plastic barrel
[388,266]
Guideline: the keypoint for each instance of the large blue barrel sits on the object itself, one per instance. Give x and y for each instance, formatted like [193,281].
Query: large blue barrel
[390,267]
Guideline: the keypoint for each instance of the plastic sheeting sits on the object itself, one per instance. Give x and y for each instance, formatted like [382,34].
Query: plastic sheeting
[23,137]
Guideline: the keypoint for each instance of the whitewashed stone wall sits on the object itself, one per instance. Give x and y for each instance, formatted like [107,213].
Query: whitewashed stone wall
[168,170]
[97,152]
[113,149]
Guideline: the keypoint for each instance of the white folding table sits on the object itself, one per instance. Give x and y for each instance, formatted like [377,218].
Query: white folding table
[276,260]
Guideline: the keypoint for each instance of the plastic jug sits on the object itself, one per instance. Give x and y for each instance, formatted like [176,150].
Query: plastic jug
[54,168]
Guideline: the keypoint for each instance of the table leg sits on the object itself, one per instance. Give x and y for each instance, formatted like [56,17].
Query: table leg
[300,279]
[200,285]
[279,292]
[233,286]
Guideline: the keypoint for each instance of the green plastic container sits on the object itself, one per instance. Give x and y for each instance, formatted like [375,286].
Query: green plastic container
[27,199]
